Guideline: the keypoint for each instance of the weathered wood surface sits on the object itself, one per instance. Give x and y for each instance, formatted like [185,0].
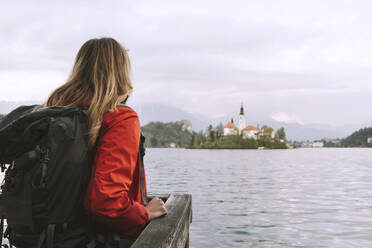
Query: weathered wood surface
[164,197]
[172,230]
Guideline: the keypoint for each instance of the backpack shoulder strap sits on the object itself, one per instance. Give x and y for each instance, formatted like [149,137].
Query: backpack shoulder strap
[142,169]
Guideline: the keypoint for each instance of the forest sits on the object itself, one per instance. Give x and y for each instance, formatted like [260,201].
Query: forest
[170,134]
[358,138]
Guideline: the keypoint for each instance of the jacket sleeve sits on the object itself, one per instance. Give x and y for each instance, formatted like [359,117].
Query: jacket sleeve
[115,161]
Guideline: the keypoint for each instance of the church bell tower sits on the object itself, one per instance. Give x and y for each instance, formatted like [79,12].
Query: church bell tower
[241,123]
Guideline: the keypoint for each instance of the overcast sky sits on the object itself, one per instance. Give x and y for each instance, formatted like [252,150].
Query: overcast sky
[294,61]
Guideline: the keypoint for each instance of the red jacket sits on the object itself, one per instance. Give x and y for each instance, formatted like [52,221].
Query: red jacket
[113,197]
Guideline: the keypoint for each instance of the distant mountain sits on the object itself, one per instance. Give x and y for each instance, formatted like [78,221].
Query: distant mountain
[294,131]
[153,112]
[305,132]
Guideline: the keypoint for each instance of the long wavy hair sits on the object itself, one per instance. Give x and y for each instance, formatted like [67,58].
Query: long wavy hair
[99,78]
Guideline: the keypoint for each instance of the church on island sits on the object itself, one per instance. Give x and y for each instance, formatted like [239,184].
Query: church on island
[246,131]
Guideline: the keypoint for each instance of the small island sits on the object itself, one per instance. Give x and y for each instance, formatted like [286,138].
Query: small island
[179,134]
[241,137]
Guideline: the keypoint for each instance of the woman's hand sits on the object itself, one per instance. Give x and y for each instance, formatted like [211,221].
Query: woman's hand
[156,208]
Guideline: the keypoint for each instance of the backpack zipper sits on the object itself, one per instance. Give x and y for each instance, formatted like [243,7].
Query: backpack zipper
[44,165]
[44,160]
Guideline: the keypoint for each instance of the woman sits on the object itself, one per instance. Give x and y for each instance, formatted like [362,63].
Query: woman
[100,81]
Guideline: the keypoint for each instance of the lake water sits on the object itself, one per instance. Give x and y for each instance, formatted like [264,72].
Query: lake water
[270,198]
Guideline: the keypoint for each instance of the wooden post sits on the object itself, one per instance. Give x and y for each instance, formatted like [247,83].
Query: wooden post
[172,230]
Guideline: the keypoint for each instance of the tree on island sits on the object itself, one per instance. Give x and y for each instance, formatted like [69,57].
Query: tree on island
[280,134]
[264,141]
[211,136]
[197,139]
[220,128]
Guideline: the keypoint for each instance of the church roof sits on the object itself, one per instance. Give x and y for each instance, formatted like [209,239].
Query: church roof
[249,128]
[241,110]
[268,130]
[230,125]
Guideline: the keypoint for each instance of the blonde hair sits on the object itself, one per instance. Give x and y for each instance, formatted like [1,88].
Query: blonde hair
[99,77]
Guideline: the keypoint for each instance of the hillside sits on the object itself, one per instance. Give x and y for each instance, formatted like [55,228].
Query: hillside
[154,112]
[170,134]
[165,113]
[358,138]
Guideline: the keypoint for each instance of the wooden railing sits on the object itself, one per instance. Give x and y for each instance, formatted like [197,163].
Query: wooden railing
[172,230]
[169,231]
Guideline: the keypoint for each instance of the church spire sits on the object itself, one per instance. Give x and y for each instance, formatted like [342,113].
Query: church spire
[241,124]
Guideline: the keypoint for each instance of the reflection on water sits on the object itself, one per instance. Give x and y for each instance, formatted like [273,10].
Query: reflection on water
[270,198]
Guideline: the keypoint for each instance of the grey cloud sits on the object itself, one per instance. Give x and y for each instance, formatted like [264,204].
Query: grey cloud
[204,56]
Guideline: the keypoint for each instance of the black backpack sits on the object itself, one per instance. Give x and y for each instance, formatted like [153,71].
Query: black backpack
[47,162]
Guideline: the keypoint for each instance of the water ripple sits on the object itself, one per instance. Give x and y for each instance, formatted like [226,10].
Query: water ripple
[280,198]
